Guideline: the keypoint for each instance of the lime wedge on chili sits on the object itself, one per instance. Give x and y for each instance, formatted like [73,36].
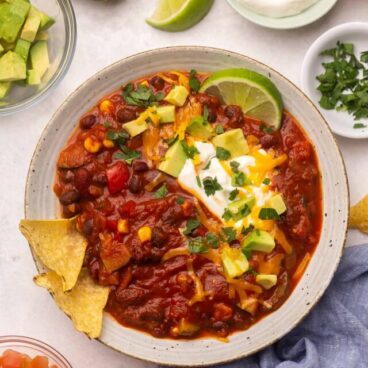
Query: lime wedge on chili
[177,15]
[254,93]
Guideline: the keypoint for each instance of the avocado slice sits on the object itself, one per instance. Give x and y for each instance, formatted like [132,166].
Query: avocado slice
[166,113]
[233,141]
[177,96]
[277,203]
[12,17]
[4,89]
[135,127]
[197,128]
[259,240]
[33,78]
[22,49]
[12,67]
[42,36]
[174,160]
[1,49]
[39,57]
[234,261]
[31,25]
[45,20]
[266,281]
[237,208]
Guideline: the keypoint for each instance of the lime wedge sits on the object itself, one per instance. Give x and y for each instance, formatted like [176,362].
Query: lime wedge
[254,93]
[177,15]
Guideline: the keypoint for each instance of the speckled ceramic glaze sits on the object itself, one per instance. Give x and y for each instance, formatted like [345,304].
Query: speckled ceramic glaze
[42,203]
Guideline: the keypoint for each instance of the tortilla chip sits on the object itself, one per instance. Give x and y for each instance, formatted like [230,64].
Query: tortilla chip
[359,215]
[59,246]
[84,304]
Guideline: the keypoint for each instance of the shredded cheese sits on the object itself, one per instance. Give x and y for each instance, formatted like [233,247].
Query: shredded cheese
[281,239]
[171,253]
[302,266]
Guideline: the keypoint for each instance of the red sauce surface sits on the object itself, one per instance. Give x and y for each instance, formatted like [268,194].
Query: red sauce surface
[152,295]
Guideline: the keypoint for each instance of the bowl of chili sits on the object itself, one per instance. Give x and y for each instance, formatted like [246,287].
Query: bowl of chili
[167,305]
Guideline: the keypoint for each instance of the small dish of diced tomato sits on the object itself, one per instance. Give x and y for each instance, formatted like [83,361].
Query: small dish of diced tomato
[15,359]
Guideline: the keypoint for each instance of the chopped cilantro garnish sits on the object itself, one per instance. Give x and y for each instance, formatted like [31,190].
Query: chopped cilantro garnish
[198,181]
[268,214]
[126,154]
[161,192]
[266,181]
[192,224]
[247,251]
[229,233]
[143,96]
[247,230]
[180,200]
[194,83]
[207,165]
[222,153]
[219,129]
[120,137]
[211,185]
[197,245]
[233,194]
[212,240]
[234,166]
[239,179]
[267,129]
[251,271]
[359,126]
[190,151]
[205,115]
[227,215]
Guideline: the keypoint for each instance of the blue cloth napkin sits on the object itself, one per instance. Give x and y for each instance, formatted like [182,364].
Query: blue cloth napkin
[335,334]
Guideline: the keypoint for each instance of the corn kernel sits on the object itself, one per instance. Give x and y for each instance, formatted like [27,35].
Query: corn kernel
[106,106]
[144,234]
[145,83]
[123,226]
[92,145]
[108,143]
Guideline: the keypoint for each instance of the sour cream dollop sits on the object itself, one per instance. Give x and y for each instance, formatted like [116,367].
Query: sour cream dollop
[278,8]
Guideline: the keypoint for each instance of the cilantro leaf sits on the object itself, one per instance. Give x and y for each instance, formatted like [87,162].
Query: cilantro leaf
[234,166]
[211,185]
[192,224]
[268,214]
[222,153]
[190,151]
[219,129]
[126,154]
[197,245]
[143,96]
[359,126]
[233,194]
[161,192]
[229,233]
[194,83]
[239,179]
[266,181]
[247,230]
[180,200]
[212,240]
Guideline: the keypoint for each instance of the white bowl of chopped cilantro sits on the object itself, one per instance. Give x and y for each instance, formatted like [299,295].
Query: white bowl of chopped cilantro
[335,76]
[37,42]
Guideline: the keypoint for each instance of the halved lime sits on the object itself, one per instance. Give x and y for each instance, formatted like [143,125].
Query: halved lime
[177,15]
[254,93]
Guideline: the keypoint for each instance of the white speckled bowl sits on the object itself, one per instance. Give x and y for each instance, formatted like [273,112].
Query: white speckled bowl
[40,202]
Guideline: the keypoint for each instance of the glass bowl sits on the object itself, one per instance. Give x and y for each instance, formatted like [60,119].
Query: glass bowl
[32,347]
[61,44]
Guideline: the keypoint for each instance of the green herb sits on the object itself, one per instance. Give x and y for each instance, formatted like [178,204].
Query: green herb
[172,140]
[251,271]
[207,165]
[247,230]
[227,215]
[180,200]
[190,151]
[267,129]
[126,154]
[268,214]
[219,129]
[229,233]
[234,166]
[343,85]
[239,179]
[205,115]
[211,185]
[143,96]
[212,240]
[266,181]
[191,225]
[194,83]
[233,194]
[119,137]
[222,153]
[106,124]
[198,181]
[359,126]
[247,251]
[197,245]
[162,191]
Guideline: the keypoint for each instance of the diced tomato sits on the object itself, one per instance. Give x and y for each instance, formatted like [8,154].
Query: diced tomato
[111,224]
[117,177]
[40,362]
[127,209]
[12,359]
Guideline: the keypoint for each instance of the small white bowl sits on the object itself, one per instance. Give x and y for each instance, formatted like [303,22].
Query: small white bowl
[357,33]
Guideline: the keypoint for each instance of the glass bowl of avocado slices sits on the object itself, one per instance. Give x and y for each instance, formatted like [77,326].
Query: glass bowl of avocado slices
[37,42]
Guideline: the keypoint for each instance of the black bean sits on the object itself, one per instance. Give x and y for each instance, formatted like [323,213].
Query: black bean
[87,227]
[135,184]
[82,179]
[88,121]
[69,197]
[212,116]
[126,113]
[157,82]
[158,237]
[139,166]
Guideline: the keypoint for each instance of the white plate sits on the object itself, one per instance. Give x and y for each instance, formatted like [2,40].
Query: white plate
[308,16]
[40,202]
[357,33]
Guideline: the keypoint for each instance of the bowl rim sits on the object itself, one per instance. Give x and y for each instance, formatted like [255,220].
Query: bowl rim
[47,349]
[99,74]
[70,23]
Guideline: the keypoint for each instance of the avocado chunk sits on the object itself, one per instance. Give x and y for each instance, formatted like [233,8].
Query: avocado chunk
[42,36]
[33,78]
[199,129]
[12,67]
[233,141]
[234,261]
[241,208]
[31,25]
[39,57]
[174,160]
[45,20]
[166,113]
[22,49]
[177,96]
[12,17]
[266,281]
[277,203]
[259,240]
[135,127]
[1,49]
[4,89]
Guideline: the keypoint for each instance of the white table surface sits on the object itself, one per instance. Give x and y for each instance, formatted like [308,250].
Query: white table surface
[107,32]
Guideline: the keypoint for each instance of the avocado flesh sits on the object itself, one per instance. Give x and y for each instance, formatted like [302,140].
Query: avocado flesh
[174,160]
[266,281]
[198,129]
[233,141]
[45,20]
[135,127]
[259,240]
[4,89]
[39,57]
[177,96]
[33,78]
[236,207]
[31,25]
[166,113]
[12,67]
[277,203]
[22,49]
